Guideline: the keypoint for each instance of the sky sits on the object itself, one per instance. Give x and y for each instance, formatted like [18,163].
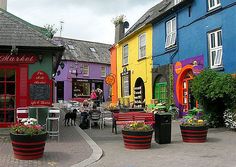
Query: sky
[89,20]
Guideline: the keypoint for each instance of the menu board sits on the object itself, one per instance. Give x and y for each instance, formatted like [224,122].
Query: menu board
[39,92]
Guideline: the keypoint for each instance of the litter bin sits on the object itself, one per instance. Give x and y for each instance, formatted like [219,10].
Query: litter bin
[162,128]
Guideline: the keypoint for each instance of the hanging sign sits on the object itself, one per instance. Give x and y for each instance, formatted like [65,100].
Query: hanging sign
[17,59]
[110,79]
[178,67]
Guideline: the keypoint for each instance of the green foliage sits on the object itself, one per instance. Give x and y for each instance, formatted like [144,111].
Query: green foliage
[138,126]
[50,30]
[215,91]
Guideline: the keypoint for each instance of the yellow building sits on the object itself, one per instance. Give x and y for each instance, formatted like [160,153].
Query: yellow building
[134,66]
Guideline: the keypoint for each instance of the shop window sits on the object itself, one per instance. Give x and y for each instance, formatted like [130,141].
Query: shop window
[215,48]
[103,71]
[86,70]
[212,4]
[125,55]
[142,46]
[80,89]
[126,85]
[170,33]
[162,92]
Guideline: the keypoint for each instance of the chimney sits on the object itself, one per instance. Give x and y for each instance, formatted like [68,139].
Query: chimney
[120,26]
[3,4]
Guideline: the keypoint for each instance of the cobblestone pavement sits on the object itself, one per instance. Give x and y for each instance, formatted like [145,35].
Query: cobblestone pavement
[71,149]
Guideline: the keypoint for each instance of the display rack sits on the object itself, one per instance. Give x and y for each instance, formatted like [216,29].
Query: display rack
[138,97]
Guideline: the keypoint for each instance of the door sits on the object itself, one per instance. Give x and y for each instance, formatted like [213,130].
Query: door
[188,99]
[7,95]
[161,92]
[60,90]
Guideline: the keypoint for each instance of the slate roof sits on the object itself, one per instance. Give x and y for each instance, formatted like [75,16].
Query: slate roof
[15,31]
[86,51]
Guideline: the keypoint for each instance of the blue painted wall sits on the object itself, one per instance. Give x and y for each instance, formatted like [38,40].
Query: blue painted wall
[192,34]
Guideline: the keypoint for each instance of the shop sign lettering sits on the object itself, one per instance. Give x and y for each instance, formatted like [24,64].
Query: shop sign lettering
[17,59]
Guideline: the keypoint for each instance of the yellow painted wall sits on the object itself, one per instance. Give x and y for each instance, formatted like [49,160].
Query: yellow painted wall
[139,68]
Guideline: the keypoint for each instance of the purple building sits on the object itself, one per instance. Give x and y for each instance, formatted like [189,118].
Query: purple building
[83,67]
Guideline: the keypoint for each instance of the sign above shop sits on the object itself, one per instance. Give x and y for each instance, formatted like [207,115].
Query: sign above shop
[178,67]
[17,59]
[110,79]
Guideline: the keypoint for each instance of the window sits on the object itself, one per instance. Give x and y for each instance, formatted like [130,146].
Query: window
[103,71]
[86,70]
[212,4]
[125,55]
[170,33]
[216,49]
[126,85]
[161,91]
[177,1]
[142,46]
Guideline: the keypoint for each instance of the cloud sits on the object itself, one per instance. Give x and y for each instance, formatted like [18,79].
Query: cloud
[83,19]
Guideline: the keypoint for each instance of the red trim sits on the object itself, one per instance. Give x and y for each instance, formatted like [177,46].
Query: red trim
[28,144]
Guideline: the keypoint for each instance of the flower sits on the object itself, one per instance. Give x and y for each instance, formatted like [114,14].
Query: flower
[193,118]
[28,126]
[137,126]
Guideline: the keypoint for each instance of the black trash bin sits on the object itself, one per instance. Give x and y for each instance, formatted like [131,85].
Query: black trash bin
[162,128]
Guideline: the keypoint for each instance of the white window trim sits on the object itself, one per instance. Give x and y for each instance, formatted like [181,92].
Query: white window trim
[84,70]
[215,6]
[103,71]
[125,58]
[177,1]
[170,35]
[140,47]
[217,49]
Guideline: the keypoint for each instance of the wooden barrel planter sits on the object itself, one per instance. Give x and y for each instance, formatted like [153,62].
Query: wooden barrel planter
[194,134]
[137,139]
[27,147]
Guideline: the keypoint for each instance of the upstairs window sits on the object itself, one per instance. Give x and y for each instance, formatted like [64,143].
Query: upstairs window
[170,33]
[142,46]
[177,1]
[216,49]
[103,71]
[212,4]
[125,55]
[86,70]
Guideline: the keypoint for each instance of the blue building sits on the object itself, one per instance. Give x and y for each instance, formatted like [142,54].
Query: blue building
[192,35]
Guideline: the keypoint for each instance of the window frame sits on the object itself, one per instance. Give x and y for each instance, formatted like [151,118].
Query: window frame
[103,71]
[85,71]
[171,33]
[142,48]
[215,6]
[125,49]
[217,49]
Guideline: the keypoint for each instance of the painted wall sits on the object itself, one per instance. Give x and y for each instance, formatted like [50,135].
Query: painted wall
[139,68]
[192,34]
[114,95]
[94,73]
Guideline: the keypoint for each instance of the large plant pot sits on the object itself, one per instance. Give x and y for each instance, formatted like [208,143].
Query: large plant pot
[27,147]
[137,140]
[194,134]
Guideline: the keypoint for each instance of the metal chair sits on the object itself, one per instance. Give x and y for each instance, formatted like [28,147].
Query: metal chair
[52,122]
[21,112]
[95,117]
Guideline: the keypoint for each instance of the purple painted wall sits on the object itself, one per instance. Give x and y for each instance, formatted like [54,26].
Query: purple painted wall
[94,73]
[196,70]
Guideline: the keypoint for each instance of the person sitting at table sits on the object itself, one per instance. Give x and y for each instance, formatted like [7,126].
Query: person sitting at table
[95,114]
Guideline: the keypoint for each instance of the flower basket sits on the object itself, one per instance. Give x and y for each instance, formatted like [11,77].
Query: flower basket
[28,139]
[137,135]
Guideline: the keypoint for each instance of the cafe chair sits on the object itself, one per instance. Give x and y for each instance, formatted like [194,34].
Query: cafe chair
[95,117]
[52,122]
[21,112]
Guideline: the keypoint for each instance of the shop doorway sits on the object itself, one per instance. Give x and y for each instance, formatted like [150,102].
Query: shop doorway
[139,93]
[7,96]
[60,90]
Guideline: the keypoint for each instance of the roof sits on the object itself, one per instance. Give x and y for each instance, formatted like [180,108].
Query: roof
[17,32]
[151,14]
[79,50]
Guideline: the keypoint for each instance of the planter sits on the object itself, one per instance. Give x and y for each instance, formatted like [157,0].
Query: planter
[27,147]
[137,139]
[194,134]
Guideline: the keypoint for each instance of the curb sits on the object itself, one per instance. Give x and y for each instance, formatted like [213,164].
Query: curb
[97,151]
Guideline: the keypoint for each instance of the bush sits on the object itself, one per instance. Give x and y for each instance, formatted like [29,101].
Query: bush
[216,92]
[230,118]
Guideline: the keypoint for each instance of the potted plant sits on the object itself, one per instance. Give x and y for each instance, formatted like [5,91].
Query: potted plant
[193,127]
[137,135]
[28,139]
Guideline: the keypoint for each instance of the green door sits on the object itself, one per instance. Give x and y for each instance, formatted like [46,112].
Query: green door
[161,91]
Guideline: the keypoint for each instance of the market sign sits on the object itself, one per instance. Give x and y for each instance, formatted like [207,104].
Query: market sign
[110,79]
[178,67]
[17,59]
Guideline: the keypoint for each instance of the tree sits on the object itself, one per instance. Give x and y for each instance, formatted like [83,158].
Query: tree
[50,30]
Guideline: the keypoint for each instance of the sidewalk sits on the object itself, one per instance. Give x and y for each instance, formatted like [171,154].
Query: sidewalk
[71,150]
[218,151]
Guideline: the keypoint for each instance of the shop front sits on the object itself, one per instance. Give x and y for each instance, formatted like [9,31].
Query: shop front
[184,72]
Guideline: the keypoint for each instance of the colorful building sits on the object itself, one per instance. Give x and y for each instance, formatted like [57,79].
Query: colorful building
[193,35]
[27,61]
[84,67]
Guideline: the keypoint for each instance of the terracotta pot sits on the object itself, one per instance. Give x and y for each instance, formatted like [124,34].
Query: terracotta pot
[136,139]
[194,134]
[27,147]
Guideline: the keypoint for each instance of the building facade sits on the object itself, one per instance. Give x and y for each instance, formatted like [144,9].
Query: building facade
[84,67]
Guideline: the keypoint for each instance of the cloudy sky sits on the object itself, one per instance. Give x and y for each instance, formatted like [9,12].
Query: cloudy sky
[89,20]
